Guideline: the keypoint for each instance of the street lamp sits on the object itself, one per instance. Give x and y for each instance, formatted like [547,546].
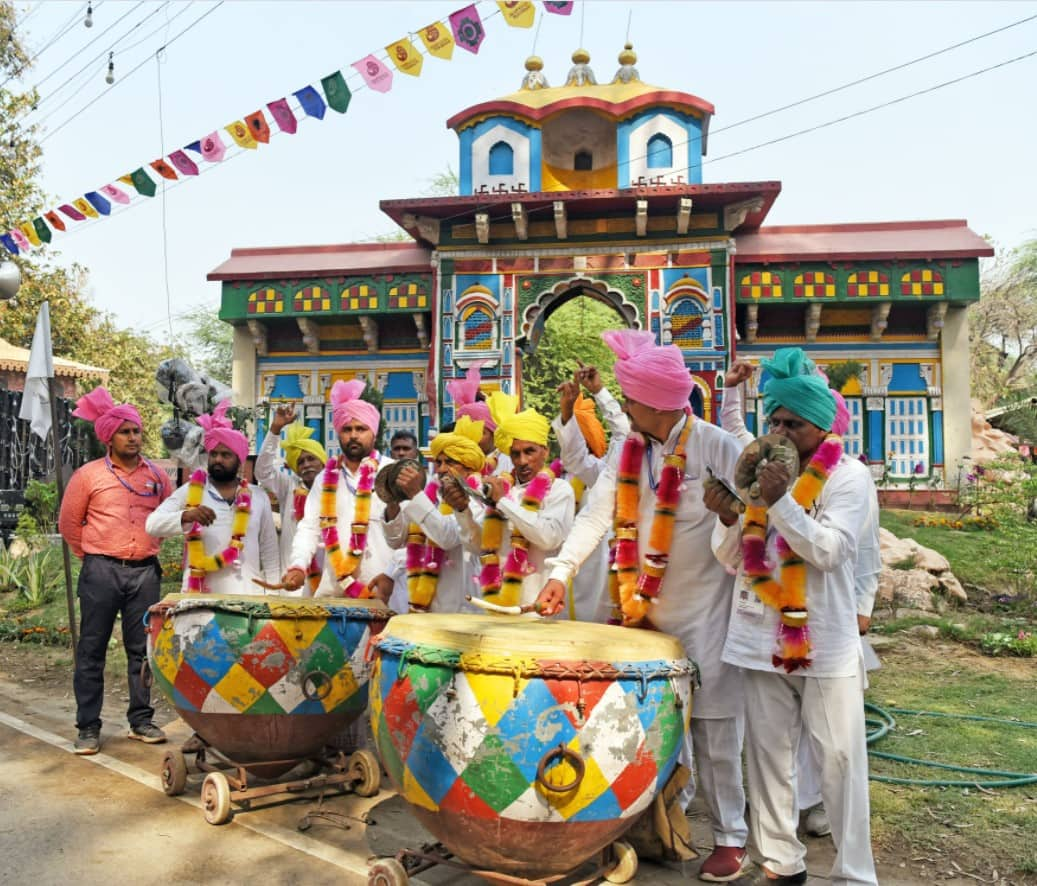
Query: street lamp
[10,280]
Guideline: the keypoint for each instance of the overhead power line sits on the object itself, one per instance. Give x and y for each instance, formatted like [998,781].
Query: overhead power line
[61,32]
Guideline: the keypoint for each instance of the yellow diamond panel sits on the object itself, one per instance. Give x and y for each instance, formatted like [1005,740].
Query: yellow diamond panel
[240,688]
[593,785]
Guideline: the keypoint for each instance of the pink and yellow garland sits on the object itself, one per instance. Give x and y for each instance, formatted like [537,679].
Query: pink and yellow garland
[344,564]
[425,557]
[788,594]
[632,590]
[198,562]
[313,571]
[509,591]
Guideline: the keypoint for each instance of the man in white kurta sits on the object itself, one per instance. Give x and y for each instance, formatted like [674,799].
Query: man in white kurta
[290,479]
[695,597]
[822,700]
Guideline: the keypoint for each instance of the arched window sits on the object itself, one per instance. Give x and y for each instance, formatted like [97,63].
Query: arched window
[686,323]
[583,161]
[477,328]
[502,159]
[660,152]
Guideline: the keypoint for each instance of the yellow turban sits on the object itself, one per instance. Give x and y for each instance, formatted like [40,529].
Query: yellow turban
[590,427]
[514,425]
[297,440]
[461,444]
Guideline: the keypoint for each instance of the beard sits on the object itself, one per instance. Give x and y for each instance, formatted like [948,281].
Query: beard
[222,474]
[355,450]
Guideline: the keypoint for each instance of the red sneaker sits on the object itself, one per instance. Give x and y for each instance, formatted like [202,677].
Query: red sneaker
[726,863]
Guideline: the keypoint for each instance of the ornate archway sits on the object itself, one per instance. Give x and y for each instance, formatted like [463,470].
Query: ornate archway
[536,314]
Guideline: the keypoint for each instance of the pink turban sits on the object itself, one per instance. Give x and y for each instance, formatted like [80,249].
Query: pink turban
[647,373]
[218,429]
[463,392]
[346,405]
[98,407]
[841,424]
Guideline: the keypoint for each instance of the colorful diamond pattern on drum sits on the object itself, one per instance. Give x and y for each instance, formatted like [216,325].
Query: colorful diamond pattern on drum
[219,661]
[470,743]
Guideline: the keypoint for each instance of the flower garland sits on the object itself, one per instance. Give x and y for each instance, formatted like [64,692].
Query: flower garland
[508,592]
[489,465]
[343,564]
[630,589]
[424,557]
[788,594]
[313,571]
[198,562]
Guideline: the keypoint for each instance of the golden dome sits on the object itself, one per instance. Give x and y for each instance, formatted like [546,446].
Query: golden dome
[581,57]
[628,56]
[534,63]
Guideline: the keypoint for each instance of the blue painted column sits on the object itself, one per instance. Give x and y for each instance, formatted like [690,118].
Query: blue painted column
[936,411]
[876,407]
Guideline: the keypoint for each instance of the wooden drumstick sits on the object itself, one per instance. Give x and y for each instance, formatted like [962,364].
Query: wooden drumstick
[502,610]
[281,586]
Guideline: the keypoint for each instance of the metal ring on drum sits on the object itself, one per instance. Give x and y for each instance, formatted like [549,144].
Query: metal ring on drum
[506,734]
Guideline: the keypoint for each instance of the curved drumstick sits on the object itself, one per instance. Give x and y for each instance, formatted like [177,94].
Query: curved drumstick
[502,610]
[280,586]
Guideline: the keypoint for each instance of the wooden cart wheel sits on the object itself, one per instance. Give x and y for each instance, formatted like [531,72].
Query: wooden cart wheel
[625,867]
[370,773]
[387,872]
[174,773]
[216,798]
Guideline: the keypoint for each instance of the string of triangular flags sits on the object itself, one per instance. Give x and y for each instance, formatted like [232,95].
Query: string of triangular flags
[464,29]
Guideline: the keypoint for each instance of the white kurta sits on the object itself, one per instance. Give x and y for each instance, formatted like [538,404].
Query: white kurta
[260,558]
[590,599]
[276,478]
[695,600]
[378,556]
[544,529]
[459,574]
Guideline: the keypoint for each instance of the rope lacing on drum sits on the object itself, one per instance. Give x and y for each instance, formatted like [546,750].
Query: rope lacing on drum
[273,608]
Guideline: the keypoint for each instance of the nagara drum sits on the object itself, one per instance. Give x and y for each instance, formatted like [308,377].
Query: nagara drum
[526,746]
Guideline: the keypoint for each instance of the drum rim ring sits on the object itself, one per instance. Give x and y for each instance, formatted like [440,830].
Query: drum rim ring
[321,684]
[572,758]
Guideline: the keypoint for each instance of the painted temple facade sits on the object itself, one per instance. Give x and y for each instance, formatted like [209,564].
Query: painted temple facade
[595,190]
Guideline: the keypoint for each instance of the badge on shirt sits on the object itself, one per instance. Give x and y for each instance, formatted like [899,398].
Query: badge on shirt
[749,605]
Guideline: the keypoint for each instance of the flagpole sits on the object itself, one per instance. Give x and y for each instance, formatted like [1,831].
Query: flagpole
[55,433]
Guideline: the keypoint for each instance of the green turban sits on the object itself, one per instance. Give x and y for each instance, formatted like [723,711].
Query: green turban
[795,384]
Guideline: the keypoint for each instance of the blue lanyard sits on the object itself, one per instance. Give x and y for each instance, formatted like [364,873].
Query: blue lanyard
[155,486]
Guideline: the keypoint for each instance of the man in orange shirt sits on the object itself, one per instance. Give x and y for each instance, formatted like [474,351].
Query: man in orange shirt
[102,519]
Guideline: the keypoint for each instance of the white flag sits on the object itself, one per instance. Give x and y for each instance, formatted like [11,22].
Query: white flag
[36,397]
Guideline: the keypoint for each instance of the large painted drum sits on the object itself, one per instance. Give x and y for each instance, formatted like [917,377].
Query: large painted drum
[526,746]
[264,678]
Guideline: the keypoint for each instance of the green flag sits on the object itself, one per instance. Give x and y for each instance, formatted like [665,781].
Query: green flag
[337,91]
[142,182]
[42,231]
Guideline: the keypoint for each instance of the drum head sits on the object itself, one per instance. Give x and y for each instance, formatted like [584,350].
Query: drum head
[770,447]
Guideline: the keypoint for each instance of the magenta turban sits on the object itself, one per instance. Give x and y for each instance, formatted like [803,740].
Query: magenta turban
[218,429]
[463,391]
[346,405]
[98,407]
[842,415]
[647,373]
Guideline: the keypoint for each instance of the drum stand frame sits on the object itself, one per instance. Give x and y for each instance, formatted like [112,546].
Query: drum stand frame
[227,781]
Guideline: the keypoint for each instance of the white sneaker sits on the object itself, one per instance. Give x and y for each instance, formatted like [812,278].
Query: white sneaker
[817,824]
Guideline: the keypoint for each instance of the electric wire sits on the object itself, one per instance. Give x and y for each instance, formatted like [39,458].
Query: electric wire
[62,31]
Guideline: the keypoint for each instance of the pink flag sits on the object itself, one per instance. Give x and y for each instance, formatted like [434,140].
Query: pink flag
[375,74]
[283,116]
[71,212]
[185,164]
[21,239]
[557,7]
[467,28]
[114,194]
[213,148]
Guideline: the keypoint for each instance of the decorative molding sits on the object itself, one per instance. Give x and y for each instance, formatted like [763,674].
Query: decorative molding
[304,383]
[418,380]
[482,227]
[934,320]
[752,323]
[310,330]
[813,321]
[580,263]
[879,319]
[599,249]
[258,332]
[518,216]
[560,219]
[464,359]
[323,381]
[381,379]
[370,328]
[427,227]
[735,213]
[683,215]
[936,403]
[926,371]
[641,218]
[419,325]
[268,384]
[885,374]
[875,404]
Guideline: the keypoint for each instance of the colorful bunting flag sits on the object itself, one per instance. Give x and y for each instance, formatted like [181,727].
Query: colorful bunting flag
[98,202]
[114,194]
[518,14]
[467,28]
[19,238]
[30,233]
[311,102]
[195,146]
[84,207]
[406,58]
[336,91]
[9,244]
[257,125]
[164,169]
[438,40]
[239,132]
[71,212]
[558,7]
[283,116]
[42,231]
[185,164]
[55,220]
[142,182]
[375,74]
[213,148]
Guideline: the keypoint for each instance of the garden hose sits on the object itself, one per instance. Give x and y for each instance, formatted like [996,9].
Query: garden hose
[878,728]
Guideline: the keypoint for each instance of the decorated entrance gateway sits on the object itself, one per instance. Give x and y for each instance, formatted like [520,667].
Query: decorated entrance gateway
[596,190]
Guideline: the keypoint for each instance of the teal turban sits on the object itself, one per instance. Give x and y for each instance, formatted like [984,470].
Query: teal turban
[795,384]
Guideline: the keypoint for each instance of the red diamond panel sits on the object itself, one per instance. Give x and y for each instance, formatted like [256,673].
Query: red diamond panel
[191,686]
[633,780]
[267,658]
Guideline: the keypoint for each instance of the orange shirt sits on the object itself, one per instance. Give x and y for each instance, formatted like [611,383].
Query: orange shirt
[99,515]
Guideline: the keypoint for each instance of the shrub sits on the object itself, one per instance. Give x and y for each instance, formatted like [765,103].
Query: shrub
[1022,644]
[41,578]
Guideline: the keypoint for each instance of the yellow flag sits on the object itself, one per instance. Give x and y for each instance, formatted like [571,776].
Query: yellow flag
[241,134]
[84,206]
[438,40]
[126,179]
[406,57]
[518,14]
[30,232]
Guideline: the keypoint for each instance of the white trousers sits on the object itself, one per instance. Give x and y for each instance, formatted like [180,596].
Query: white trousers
[830,713]
[716,748]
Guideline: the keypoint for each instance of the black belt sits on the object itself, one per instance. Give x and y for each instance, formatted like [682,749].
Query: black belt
[147,561]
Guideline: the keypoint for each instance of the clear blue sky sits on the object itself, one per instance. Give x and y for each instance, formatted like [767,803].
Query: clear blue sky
[965,151]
